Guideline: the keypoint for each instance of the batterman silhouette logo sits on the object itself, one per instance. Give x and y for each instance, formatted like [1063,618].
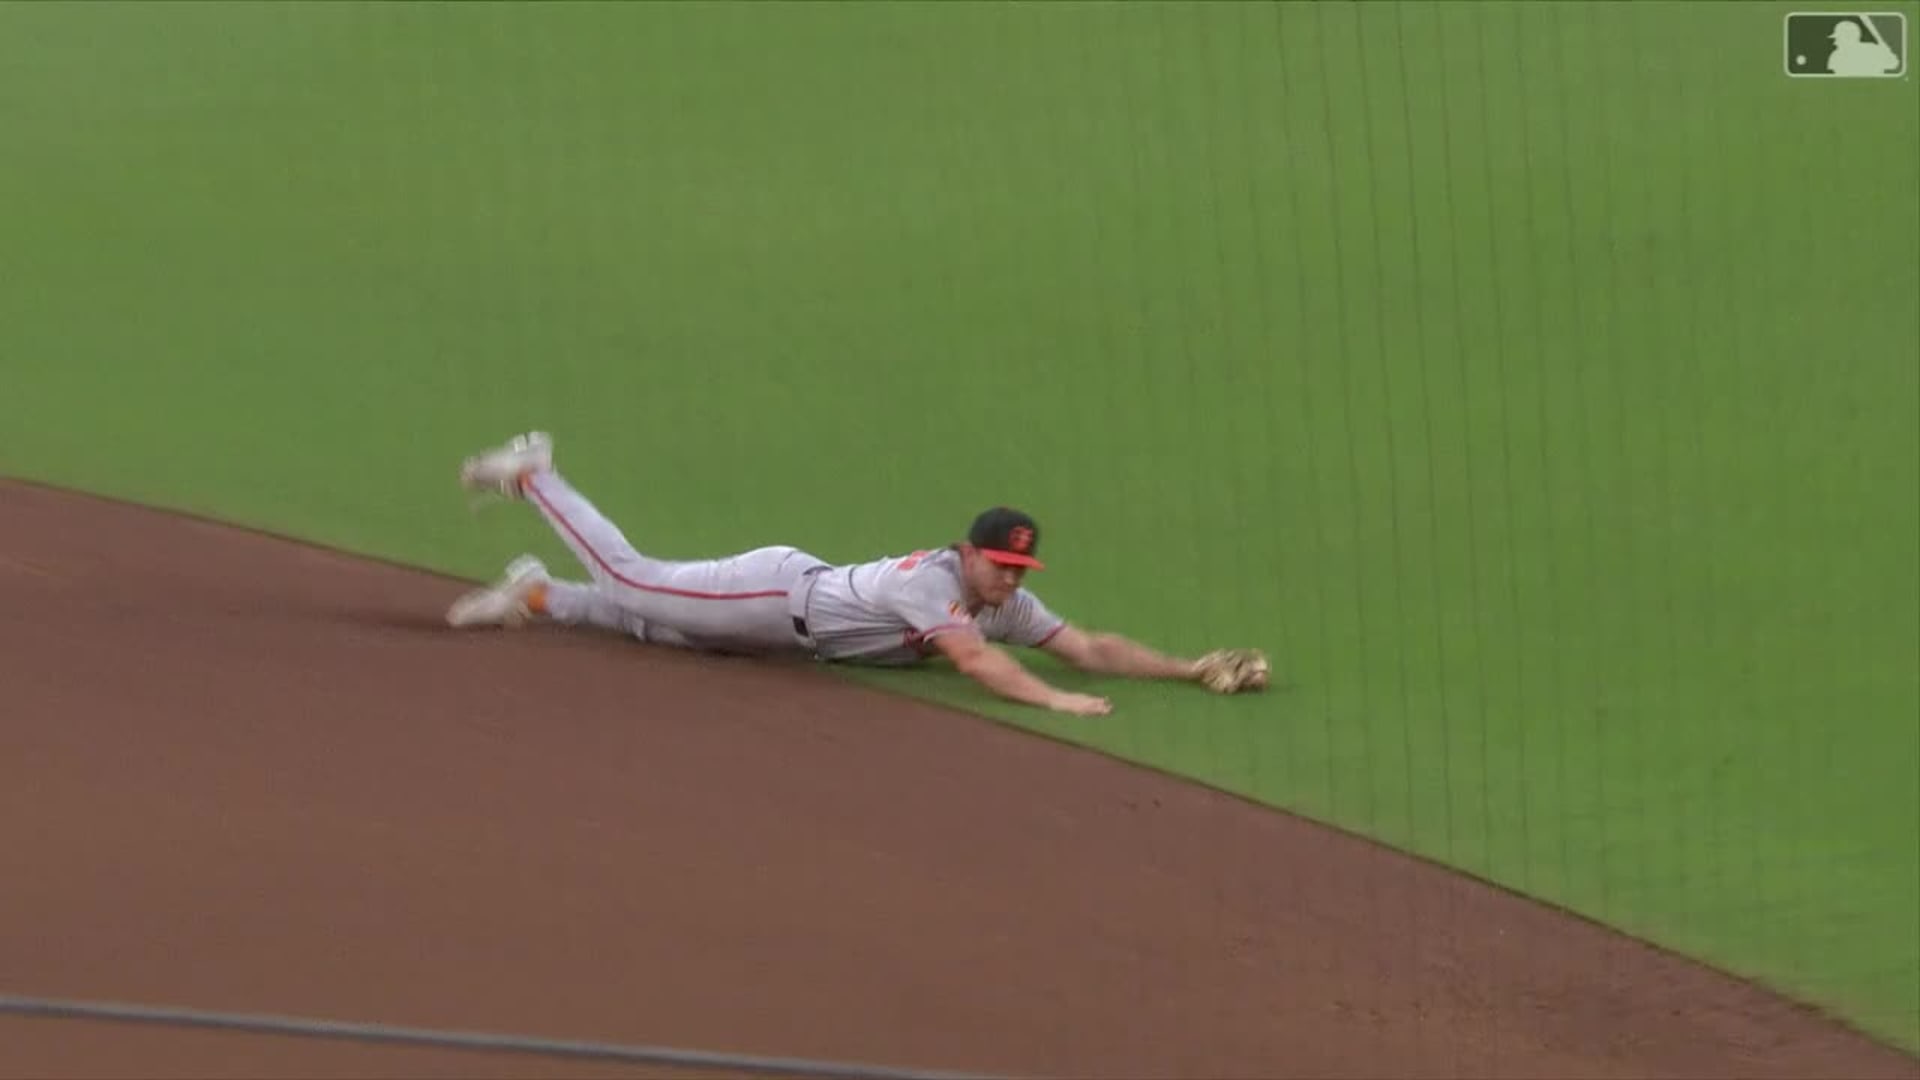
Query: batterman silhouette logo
[1846,45]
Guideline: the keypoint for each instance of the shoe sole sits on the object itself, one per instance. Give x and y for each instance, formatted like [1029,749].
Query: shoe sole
[535,449]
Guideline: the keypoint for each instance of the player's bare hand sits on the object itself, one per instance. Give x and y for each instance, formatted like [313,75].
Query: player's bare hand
[1082,705]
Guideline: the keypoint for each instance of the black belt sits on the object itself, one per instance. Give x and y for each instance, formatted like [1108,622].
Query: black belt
[800,623]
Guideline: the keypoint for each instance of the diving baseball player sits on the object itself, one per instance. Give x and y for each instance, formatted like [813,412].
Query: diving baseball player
[954,601]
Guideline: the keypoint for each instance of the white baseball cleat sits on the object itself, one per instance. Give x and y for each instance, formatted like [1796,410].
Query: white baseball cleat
[503,603]
[498,471]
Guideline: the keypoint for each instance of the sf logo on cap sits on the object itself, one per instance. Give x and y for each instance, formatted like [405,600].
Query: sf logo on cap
[1021,538]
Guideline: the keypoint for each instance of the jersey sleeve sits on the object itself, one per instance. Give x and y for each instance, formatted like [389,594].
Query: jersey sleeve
[929,603]
[1025,621]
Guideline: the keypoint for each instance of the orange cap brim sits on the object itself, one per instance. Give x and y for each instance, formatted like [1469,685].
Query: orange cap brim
[1010,558]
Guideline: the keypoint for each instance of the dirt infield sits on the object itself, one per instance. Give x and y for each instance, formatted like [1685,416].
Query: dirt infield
[246,775]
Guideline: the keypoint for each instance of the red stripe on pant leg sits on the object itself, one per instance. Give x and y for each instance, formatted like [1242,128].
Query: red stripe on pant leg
[532,487]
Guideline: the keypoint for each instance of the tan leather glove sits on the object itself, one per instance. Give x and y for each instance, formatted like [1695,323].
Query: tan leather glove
[1233,671]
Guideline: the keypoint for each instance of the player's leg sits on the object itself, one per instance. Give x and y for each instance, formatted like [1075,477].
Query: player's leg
[523,469]
[572,603]
[733,603]
[527,593]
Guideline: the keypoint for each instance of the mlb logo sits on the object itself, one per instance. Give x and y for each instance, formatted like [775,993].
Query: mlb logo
[1846,45]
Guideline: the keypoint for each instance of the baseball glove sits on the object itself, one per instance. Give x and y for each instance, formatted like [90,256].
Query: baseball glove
[1231,671]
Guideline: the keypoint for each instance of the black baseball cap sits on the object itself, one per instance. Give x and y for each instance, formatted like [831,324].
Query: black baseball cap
[1007,536]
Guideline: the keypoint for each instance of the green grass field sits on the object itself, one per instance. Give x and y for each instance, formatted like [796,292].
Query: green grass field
[1539,384]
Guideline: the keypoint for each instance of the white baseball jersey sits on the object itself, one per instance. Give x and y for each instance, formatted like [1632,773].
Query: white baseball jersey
[888,612]
[772,599]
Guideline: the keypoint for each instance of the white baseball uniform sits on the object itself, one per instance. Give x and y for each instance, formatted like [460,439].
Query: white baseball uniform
[772,599]
[889,611]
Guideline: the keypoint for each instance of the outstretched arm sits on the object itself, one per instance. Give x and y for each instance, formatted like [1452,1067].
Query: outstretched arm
[1005,676]
[1112,654]
[1222,671]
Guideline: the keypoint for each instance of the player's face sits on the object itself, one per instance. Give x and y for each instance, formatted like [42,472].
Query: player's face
[992,583]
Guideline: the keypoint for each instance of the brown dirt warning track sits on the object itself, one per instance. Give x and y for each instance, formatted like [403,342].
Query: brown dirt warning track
[242,774]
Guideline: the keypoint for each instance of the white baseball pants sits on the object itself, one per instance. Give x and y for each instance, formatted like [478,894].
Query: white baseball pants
[733,604]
